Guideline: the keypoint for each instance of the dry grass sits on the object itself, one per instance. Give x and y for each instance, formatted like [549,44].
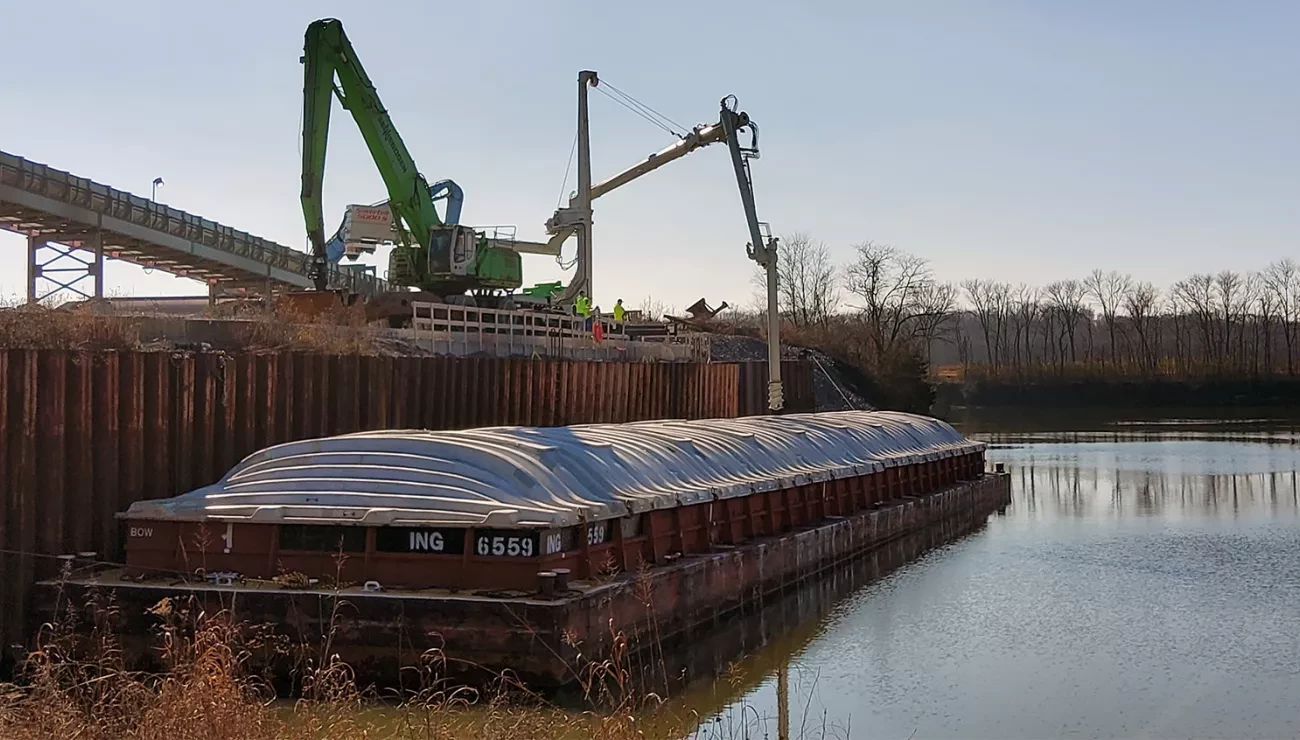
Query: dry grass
[340,331]
[34,326]
[76,684]
[209,690]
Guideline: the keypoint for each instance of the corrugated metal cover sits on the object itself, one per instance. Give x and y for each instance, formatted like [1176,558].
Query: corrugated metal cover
[554,476]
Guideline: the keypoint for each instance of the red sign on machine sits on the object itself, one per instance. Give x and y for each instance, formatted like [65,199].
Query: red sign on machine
[371,213]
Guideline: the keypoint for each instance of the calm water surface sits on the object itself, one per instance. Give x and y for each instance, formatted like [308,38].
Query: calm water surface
[1144,583]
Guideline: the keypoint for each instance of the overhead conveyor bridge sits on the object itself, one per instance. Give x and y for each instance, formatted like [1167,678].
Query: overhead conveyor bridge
[73,224]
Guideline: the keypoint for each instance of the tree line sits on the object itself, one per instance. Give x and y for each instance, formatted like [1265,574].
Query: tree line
[885,303]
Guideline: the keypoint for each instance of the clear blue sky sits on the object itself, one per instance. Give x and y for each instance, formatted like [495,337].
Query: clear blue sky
[1027,141]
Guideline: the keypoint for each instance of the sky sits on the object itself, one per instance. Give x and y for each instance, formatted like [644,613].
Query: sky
[1022,141]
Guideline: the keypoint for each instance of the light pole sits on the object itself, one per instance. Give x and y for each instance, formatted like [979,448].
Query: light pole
[156,182]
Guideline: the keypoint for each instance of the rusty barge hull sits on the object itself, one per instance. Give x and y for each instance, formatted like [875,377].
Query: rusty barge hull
[379,633]
[493,509]
[466,559]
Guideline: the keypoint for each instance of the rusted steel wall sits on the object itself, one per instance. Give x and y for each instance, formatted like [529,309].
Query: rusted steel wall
[83,434]
[796,383]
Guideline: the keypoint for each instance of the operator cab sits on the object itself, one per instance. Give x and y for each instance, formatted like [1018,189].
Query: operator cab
[452,249]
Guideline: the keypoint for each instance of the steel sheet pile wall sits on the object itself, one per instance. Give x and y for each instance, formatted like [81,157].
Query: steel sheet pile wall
[796,382]
[82,435]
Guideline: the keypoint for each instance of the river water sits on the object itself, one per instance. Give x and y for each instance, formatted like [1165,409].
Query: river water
[1145,582]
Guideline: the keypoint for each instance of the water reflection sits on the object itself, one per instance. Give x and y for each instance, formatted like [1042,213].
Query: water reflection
[1179,475]
[1145,582]
[740,703]
[1158,420]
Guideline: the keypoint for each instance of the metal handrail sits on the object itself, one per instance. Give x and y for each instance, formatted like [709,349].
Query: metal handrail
[468,325]
[469,319]
[49,182]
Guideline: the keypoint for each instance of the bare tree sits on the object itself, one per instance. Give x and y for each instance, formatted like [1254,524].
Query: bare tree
[936,305]
[1049,323]
[807,289]
[1003,307]
[1261,313]
[963,351]
[1026,307]
[1231,289]
[1108,289]
[1282,281]
[1180,318]
[1198,297]
[1219,322]
[1141,303]
[653,309]
[889,284]
[986,298]
[1065,297]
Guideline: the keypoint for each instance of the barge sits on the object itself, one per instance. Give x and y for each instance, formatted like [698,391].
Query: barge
[508,546]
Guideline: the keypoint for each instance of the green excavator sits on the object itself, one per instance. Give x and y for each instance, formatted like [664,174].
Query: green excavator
[433,254]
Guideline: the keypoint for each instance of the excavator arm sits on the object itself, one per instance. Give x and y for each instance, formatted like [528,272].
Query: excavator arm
[332,69]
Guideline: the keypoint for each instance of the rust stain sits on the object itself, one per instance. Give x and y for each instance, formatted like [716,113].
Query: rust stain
[6,491]
[105,459]
[22,475]
[80,449]
[52,464]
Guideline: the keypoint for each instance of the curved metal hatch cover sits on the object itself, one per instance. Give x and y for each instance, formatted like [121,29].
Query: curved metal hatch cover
[525,477]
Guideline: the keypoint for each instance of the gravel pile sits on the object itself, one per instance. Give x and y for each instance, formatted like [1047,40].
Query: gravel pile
[736,348]
[831,390]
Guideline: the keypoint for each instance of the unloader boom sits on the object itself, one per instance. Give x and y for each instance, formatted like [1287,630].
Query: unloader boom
[576,217]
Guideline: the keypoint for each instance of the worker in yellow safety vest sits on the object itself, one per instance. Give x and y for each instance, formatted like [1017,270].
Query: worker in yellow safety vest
[582,304]
[619,311]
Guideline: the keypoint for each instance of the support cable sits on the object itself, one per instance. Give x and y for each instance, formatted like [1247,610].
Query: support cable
[639,112]
[567,169]
[564,184]
[666,121]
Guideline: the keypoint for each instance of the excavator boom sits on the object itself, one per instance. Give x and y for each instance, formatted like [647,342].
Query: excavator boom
[328,57]
[431,254]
